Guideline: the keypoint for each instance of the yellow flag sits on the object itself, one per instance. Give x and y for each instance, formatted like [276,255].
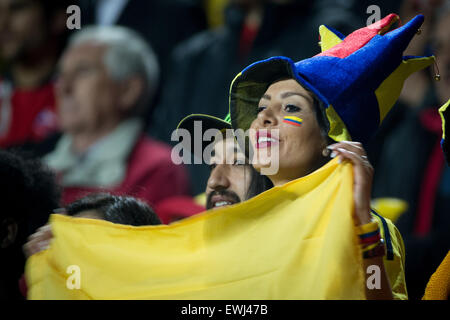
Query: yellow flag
[296,241]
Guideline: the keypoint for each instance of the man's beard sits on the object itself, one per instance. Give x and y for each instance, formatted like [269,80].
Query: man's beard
[232,196]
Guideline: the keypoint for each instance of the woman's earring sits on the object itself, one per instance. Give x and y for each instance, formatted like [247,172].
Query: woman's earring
[326,152]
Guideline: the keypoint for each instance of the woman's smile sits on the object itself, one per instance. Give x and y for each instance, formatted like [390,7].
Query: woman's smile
[266,138]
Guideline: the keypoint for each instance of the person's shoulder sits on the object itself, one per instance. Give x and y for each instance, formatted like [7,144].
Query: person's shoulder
[391,235]
[150,145]
[394,260]
[151,159]
[42,147]
[152,152]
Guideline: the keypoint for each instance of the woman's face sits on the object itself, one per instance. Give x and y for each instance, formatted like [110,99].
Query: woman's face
[300,146]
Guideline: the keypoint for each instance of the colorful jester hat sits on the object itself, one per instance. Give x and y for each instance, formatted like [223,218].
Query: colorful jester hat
[358,78]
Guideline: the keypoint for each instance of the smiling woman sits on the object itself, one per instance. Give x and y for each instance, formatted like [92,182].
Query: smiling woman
[326,104]
[302,155]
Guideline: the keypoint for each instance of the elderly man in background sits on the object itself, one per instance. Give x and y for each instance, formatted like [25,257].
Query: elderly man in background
[107,78]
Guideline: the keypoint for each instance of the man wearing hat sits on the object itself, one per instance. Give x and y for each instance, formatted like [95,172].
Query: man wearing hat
[232,178]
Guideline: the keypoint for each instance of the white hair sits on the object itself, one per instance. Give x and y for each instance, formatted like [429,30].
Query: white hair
[127,54]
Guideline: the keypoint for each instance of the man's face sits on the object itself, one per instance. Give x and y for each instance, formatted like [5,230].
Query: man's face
[22,28]
[87,95]
[230,175]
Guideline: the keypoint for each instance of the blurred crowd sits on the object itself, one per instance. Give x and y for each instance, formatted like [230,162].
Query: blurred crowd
[89,114]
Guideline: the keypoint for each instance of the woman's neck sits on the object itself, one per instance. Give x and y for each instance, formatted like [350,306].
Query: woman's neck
[283,177]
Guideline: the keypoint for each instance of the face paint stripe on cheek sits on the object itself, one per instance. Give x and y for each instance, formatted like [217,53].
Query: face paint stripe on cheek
[293,120]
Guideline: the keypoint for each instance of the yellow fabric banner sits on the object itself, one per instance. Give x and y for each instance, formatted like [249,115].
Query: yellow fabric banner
[296,241]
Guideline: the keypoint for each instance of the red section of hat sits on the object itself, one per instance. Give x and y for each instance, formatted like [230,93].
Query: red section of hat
[360,38]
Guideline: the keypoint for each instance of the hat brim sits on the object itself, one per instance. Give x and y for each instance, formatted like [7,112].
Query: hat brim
[249,86]
[207,122]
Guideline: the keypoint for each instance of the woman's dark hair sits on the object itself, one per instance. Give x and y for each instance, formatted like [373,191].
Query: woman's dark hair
[319,111]
[258,183]
[117,209]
